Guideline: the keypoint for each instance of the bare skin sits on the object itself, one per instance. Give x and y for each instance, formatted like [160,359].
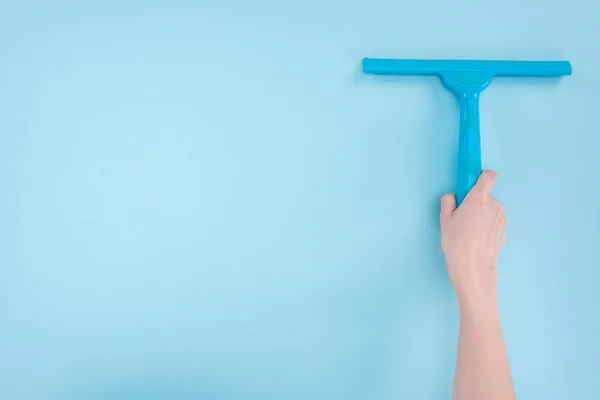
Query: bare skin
[472,237]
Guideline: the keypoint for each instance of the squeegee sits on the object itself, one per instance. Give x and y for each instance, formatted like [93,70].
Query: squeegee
[467,79]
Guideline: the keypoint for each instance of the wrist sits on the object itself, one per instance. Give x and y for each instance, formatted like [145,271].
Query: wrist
[478,307]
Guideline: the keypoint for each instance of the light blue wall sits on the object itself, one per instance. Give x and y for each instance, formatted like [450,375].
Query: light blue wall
[208,200]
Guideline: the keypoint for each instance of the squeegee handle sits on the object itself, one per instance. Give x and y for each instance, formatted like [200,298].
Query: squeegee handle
[469,145]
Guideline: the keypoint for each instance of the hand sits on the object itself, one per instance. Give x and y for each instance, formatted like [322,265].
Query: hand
[472,237]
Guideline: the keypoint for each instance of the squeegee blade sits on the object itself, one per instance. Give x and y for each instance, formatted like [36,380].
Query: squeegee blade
[496,67]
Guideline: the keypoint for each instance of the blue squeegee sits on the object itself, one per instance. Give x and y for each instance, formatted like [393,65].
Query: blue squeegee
[466,78]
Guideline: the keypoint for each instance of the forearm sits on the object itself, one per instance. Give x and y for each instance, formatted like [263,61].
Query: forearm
[472,237]
[482,367]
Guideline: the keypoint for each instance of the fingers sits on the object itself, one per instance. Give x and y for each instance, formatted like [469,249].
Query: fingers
[486,181]
[501,232]
[499,208]
[448,206]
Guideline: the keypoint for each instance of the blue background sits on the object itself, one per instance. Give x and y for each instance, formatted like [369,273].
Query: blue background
[209,200]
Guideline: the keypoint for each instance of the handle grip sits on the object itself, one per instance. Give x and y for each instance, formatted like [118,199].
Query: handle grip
[469,145]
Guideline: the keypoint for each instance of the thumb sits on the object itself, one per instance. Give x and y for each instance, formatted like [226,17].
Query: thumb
[486,181]
[448,207]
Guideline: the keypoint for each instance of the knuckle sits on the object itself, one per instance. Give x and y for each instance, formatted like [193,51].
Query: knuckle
[500,207]
[478,196]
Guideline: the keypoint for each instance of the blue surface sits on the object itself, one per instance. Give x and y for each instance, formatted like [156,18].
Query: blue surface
[213,201]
